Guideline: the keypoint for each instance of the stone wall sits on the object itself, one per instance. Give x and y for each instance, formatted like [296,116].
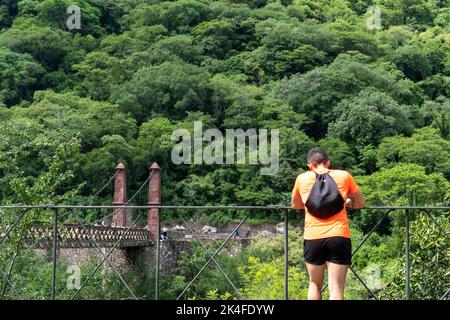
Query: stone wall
[123,259]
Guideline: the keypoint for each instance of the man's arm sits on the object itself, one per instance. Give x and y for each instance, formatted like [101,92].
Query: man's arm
[296,200]
[356,198]
[356,201]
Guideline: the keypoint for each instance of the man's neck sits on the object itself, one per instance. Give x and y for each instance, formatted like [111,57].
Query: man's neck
[319,168]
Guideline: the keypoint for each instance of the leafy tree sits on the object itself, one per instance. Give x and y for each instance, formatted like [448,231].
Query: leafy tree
[125,44]
[155,144]
[177,15]
[19,76]
[361,41]
[4,16]
[266,280]
[111,11]
[96,166]
[339,152]
[175,48]
[252,3]
[33,159]
[54,14]
[48,178]
[369,117]
[47,46]
[413,61]
[167,89]
[212,278]
[397,36]
[416,13]
[316,92]
[299,60]
[404,184]
[287,41]
[89,119]
[401,185]
[425,147]
[429,262]
[216,37]
[8,11]
[74,103]
[100,72]
[435,86]
[439,111]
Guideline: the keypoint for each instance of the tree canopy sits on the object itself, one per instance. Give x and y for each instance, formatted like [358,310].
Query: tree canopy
[75,102]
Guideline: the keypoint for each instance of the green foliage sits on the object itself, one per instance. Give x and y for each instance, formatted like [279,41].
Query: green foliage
[439,111]
[317,94]
[8,11]
[339,151]
[416,13]
[269,249]
[369,117]
[100,72]
[19,75]
[74,103]
[405,184]
[47,46]
[266,280]
[177,15]
[54,13]
[49,177]
[400,185]
[215,37]
[211,284]
[32,277]
[429,261]
[425,147]
[170,88]
[413,62]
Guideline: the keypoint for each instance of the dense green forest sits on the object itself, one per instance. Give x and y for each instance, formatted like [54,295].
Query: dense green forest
[74,103]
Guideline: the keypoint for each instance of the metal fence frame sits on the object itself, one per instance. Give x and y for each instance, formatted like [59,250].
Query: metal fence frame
[284,209]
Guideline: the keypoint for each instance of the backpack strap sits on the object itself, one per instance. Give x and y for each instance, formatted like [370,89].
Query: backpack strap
[317,174]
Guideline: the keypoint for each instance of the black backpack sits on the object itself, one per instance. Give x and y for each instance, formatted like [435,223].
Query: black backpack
[324,200]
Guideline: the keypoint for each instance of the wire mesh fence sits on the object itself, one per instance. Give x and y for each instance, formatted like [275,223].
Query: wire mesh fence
[64,235]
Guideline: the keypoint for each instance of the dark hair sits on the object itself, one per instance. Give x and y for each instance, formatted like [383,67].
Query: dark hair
[317,155]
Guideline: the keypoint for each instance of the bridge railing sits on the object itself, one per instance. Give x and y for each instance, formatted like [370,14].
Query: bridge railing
[94,234]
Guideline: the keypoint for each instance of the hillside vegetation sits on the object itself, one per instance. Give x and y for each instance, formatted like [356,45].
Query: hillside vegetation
[74,103]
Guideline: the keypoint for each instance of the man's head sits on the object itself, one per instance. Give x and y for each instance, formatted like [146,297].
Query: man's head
[317,156]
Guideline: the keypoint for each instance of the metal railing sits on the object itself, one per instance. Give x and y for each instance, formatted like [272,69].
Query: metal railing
[74,212]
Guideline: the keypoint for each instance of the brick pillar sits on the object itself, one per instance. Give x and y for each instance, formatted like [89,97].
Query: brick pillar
[120,196]
[154,198]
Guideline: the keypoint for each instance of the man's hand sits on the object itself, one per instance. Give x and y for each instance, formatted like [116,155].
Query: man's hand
[356,201]
[349,203]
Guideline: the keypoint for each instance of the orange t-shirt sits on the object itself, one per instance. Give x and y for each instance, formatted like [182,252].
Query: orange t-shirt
[335,226]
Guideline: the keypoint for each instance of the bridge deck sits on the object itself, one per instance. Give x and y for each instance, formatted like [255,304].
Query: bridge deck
[76,236]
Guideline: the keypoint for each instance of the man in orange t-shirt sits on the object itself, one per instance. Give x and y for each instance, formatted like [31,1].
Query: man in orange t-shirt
[326,241]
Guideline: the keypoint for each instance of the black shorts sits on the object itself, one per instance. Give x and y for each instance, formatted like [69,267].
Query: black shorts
[334,249]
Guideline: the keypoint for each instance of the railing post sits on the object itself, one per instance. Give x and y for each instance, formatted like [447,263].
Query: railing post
[407,271]
[286,255]
[55,251]
[154,198]
[158,249]
[120,218]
